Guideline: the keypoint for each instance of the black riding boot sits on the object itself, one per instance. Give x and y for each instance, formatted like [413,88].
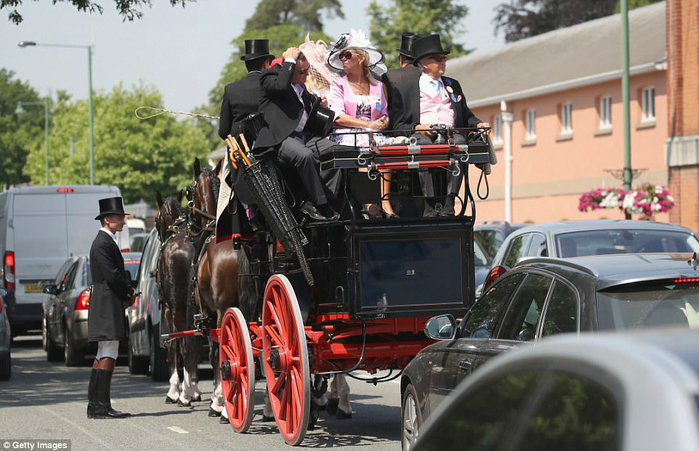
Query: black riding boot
[103,395]
[91,401]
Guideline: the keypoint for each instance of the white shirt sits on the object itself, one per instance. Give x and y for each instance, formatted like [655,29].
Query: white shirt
[112,235]
[430,86]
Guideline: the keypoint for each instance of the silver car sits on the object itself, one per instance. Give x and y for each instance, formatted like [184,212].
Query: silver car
[5,337]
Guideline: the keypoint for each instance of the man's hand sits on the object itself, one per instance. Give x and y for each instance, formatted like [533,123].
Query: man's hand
[425,129]
[483,125]
[323,101]
[291,52]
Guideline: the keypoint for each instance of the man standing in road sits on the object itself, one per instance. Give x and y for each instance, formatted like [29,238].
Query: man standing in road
[111,294]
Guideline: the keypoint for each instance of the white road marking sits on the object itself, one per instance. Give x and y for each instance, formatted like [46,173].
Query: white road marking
[178,430]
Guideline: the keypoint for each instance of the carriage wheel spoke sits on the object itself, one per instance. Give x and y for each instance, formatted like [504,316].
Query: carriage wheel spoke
[296,378]
[274,337]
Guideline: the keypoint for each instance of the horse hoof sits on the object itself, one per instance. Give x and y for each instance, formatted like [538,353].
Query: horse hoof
[197,398]
[342,415]
[213,413]
[169,400]
[331,407]
[266,419]
[180,403]
[223,420]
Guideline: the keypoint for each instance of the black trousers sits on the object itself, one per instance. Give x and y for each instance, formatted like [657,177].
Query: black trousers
[426,175]
[303,152]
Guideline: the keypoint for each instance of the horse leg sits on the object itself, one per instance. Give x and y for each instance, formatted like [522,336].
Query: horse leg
[173,392]
[344,410]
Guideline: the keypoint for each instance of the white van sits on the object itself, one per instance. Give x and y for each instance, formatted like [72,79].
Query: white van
[40,227]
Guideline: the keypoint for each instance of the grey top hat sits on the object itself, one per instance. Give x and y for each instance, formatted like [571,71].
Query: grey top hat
[426,46]
[406,44]
[256,48]
[111,206]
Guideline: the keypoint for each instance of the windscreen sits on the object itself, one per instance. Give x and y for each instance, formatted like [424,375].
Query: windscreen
[603,242]
[645,305]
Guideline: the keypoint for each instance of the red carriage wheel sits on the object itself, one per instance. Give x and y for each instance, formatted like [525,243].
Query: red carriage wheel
[286,359]
[237,370]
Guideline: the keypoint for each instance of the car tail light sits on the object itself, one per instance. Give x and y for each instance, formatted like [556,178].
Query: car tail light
[135,303]
[9,264]
[493,275]
[126,250]
[65,190]
[83,300]
[687,280]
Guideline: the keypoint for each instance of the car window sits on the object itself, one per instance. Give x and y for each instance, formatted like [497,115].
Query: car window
[145,260]
[516,250]
[572,412]
[481,322]
[479,258]
[60,277]
[644,305]
[603,242]
[561,314]
[523,314]
[69,282]
[537,246]
[490,239]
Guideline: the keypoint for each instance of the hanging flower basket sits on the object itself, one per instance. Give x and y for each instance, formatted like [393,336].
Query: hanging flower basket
[647,199]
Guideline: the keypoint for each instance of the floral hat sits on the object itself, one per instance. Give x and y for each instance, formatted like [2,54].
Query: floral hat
[355,39]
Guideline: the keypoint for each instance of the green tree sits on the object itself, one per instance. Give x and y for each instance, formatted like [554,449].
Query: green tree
[138,156]
[521,19]
[443,17]
[128,9]
[281,37]
[304,14]
[18,134]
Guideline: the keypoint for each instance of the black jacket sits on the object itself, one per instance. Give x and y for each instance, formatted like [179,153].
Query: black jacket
[110,288]
[280,105]
[406,105]
[240,99]
[396,77]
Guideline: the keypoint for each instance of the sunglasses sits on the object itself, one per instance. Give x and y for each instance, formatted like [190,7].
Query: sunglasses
[302,71]
[346,56]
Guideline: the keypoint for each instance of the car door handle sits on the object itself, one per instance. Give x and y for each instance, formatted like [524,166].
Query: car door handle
[465,366]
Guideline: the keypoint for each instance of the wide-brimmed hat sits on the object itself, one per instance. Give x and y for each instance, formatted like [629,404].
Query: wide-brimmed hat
[406,44]
[256,48]
[426,46]
[355,39]
[110,206]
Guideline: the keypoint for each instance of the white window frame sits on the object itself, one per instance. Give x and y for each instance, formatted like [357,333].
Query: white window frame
[530,124]
[605,112]
[648,104]
[497,129]
[567,118]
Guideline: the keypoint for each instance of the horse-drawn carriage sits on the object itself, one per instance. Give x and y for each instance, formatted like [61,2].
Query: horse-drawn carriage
[349,295]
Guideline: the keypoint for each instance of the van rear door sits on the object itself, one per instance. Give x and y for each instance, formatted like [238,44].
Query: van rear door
[81,226]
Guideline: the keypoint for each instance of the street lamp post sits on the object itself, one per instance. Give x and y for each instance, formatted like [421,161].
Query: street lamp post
[20,110]
[89,81]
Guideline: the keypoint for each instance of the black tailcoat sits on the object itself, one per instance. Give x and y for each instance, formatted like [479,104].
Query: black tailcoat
[110,288]
[406,105]
[280,105]
[240,99]
[394,78]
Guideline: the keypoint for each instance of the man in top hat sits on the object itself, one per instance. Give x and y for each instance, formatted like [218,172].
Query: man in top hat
[111,294]
[286,105]
[433,99]
[407,71]
[240,100]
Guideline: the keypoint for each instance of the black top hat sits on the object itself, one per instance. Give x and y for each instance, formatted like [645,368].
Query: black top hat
[426,46]
[406,44]
[110,206]
[320,119]
[256,48]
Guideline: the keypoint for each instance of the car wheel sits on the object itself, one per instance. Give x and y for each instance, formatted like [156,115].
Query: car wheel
[411,418]
[137,365]
[158,366]
[53,352]
[72,356]
[6,368]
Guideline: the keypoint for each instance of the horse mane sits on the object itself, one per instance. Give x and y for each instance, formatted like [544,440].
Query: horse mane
[215,182]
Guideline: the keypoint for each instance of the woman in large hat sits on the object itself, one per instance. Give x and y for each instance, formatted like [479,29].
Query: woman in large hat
[359,99]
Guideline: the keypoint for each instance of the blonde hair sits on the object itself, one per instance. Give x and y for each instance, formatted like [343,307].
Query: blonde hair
[365,66]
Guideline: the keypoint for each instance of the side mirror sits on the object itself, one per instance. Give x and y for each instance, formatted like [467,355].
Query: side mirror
[50,289]
[442,327]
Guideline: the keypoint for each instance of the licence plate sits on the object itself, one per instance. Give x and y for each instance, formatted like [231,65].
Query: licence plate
[33,288]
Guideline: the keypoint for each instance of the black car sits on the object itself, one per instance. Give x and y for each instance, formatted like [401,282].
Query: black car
[65,311]
[5,337]
[542,297]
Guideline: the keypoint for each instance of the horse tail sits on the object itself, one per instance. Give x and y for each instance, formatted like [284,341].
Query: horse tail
[247,289]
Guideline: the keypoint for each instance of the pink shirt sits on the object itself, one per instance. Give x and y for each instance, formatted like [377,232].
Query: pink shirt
[435,106]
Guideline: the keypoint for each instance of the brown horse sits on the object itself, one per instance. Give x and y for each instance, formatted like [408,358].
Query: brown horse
[174,278]
[223,276]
